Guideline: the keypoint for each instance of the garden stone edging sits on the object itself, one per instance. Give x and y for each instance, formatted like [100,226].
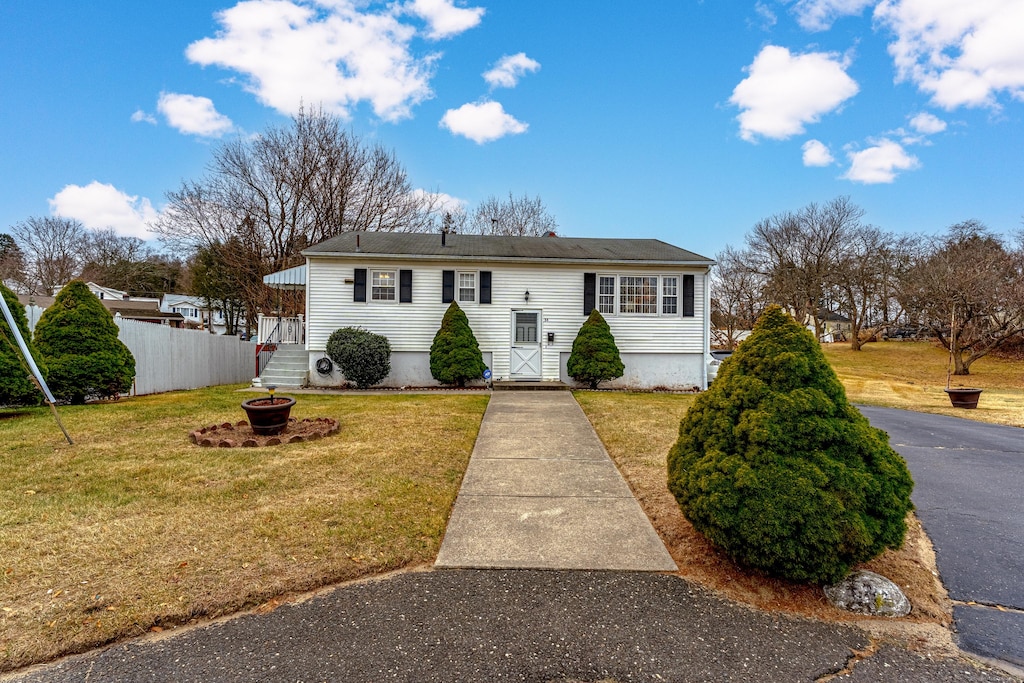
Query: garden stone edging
[232,435]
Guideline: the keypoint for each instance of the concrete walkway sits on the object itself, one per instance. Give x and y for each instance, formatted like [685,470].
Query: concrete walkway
[541,492]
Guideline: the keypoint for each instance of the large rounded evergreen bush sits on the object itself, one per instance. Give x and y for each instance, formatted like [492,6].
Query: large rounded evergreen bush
[595,357]
[455,356]
[362,356]
[77,339]
[16,389]
[776,467]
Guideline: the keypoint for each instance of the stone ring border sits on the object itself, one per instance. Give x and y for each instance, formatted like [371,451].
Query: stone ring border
[239,434]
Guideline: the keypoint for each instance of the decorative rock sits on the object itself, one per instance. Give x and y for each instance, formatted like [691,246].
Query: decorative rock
[226,443]
[250,443]
[869,593]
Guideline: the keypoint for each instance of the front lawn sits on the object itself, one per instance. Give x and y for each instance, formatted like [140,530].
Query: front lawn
[912,375]
[134,528]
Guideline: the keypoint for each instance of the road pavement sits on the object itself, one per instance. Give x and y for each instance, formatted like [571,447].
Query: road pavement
[969,494]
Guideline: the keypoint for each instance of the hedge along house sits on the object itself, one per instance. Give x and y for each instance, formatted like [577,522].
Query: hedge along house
[525,298]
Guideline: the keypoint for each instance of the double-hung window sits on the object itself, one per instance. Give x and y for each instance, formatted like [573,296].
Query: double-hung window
[638,294]
[382,285]
[606,294]
[669,295]
[467,287]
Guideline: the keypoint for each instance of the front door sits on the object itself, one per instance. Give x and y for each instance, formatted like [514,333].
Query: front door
[525,345]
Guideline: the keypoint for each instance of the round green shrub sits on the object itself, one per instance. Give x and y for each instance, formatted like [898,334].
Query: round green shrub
[16,389]
[77,339]
[455,356]
[362,356]
[595,357]
[774,465]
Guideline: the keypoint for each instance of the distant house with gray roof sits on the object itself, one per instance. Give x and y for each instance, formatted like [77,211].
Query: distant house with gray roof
[525,298]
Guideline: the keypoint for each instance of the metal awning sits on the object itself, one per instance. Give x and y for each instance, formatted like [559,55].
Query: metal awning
[291,278]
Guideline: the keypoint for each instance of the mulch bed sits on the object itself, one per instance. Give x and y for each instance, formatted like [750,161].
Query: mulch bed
[228,435]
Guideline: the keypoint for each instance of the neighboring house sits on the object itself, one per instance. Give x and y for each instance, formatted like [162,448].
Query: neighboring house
[834,326]
[193,310]
[525,297]
[144,310]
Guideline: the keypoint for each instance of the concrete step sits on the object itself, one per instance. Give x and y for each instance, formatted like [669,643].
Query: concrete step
[512,385]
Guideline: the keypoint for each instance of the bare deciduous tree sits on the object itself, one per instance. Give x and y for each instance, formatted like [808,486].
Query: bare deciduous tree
[290,187]
[737,298]
[799,253]
[866,279]
[52,248]
[517,216]
[967,286]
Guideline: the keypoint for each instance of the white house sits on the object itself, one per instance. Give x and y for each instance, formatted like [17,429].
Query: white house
[525,298]
[194,311]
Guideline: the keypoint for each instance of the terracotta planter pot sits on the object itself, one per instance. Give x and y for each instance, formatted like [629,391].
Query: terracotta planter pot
[964,397]
[268,416]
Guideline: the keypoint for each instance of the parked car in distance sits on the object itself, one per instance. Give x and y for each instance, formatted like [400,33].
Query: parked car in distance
[717,356]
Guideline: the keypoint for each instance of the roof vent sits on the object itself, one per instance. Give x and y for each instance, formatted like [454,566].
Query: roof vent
[358,248]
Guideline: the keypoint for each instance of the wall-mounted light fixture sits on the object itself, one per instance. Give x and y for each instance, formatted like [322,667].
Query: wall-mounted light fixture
[551,337]
[526,296]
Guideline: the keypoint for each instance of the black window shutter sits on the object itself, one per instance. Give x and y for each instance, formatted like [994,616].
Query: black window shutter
[359,290]
[405,286]
[447,286]
[589,292]
[688,296]
[485,286]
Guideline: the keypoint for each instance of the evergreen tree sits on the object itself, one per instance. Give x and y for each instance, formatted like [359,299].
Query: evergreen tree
[595,357]
[77,339]
[15,386]
[455,356]
[776,467]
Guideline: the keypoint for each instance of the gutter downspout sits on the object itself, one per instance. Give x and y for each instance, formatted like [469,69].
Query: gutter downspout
[707,330]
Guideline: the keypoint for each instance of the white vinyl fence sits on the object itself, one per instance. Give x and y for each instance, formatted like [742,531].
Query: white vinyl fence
[169,359]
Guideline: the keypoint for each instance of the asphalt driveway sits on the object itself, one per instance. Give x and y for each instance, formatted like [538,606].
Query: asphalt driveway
[969,493]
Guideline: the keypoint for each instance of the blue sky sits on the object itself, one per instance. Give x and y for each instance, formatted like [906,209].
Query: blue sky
[684,121]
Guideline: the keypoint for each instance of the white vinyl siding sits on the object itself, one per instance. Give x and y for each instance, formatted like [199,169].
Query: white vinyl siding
[555,290]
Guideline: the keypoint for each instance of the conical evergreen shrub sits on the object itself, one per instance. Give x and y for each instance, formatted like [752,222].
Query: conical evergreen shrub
[16,389]
[77,339]
[455,356]
[776,467]
[595,357]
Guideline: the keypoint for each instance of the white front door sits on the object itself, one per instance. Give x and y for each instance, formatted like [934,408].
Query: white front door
[525,345]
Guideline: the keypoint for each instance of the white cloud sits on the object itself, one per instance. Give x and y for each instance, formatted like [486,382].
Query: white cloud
[101,206]
[927,124]
[879,164]
[444,18]
[193,115]
[141,116]
[509,69]
[816,153]
[482,122]
[961,53]
[327,54]
[768,18]
[785,91]
[442,200]
[819,15]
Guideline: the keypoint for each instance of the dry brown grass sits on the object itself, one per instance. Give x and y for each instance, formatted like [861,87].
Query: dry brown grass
[912,375]
[133,528]
[638,430]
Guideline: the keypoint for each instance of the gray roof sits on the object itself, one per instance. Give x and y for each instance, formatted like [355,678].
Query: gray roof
[497,248]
